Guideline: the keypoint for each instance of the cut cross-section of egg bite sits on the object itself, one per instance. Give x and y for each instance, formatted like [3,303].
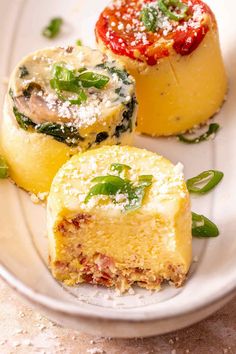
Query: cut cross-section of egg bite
[61,101]
[118,216]
[172,50]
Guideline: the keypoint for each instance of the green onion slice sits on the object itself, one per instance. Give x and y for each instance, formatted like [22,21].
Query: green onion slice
[180,9]
[204,182]
[110,185]
[4,172]
[65,80]
[203,227]
[137,194]
[107,185]
[61,85]
[118,181]
[213,129]
[80,98]
[145,180]
[149,18]
[119,167]
[79,43]
[60,72]
[92,79]
[53,28]
[102,189]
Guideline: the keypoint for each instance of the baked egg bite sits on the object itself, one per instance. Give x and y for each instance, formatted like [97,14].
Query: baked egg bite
[61,101]
[172,49]
[118,216]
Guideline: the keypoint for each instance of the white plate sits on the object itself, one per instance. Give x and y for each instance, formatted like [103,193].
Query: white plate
[23,251]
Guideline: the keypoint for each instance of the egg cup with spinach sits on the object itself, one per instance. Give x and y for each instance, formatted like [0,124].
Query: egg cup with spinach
[62,101]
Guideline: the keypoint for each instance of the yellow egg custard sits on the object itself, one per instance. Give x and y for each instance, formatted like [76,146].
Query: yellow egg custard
[119,216]
[61,101]
[172,49]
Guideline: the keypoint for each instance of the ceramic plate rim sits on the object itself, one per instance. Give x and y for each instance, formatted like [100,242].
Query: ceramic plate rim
[77,311]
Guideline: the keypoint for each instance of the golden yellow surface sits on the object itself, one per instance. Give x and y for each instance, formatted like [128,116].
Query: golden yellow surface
[34,158]
[152,238]
[180,91]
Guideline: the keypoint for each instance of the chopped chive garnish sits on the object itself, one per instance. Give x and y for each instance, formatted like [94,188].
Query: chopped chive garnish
[3,168]
[204,182]
[180,12]
[149,17]
[212,130]
[53,28]
[111,185]
[79,43]
[203,227]
[119,167]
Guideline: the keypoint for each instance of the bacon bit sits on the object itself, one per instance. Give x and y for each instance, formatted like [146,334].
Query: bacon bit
[83,261]
[60,264]
[88,278]
[104,280]
[78,250]
[61,227]
[69,49]
[104,262]
[65,224]
[139,270]
[80,218]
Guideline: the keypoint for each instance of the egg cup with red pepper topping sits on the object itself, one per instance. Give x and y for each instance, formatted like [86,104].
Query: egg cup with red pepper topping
[171,47]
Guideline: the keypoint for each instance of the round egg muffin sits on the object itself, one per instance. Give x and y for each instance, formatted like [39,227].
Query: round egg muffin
[61,101]
[119,216]
[171,47]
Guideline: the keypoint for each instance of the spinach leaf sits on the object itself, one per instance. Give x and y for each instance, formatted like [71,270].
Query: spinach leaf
[101,137]
[122,74]
[126,123]
[65,133]
[23,121]
[23,71]
[92,79]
